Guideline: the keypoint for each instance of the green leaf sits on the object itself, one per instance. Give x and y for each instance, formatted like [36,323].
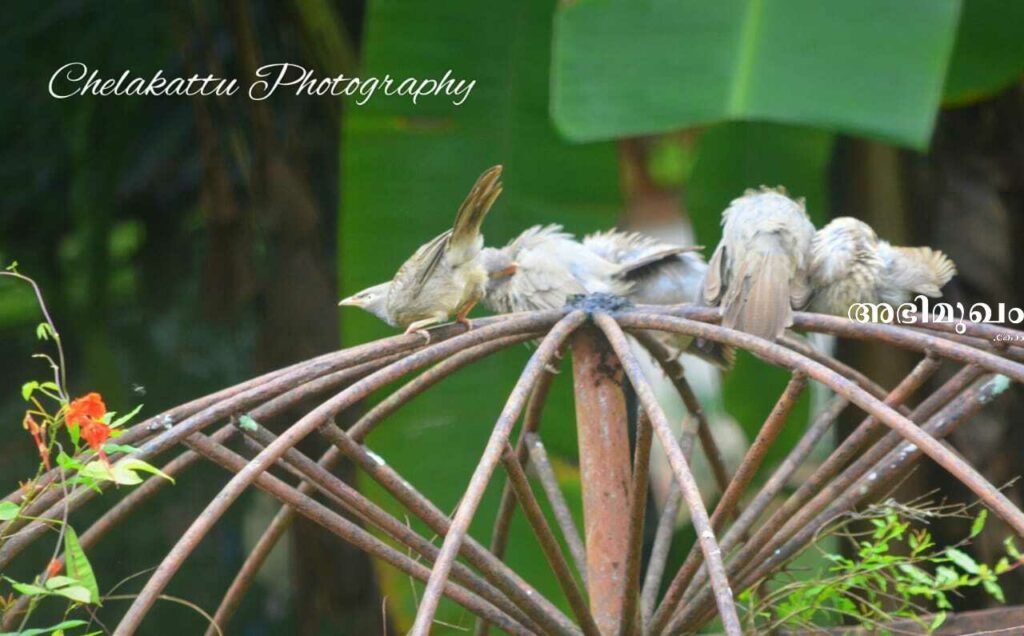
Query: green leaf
[962,559]
[1011,548]
[8,510]
[125,418]
[27,589]
[111,448]
[916,574]
[59,581]
[44,331]
[937,621]
[1002,566]
[41,631]
[78,566]
[989,52]
[873,67]
[994,589]
[123,472]
[27,389]
[979,523]
[76,593]
[246,423]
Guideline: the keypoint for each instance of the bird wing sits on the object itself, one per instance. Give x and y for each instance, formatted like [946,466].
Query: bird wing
[430,256]
[712,291]
[658,257]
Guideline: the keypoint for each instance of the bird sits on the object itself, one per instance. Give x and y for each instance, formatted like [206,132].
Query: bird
[543,268]
[758,272]
[444,277]
[661,273]
[849,264]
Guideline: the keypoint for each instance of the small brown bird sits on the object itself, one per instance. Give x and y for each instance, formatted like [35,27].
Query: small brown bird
[758,272]
[542,268]
[849,265]
[443,278]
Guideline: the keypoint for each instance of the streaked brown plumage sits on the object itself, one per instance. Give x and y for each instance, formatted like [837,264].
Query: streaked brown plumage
[444,277]
[758,272]
[849,265]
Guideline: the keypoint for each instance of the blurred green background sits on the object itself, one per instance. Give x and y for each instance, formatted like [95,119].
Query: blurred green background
[185,244]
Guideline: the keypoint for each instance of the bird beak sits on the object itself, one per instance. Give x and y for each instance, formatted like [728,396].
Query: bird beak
[505,273]
[351,301]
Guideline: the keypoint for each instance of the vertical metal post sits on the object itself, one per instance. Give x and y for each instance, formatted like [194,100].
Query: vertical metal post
[605,471]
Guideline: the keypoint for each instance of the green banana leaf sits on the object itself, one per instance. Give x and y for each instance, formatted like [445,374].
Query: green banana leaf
[872,67]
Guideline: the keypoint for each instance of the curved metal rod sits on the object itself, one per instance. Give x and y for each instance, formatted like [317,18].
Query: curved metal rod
[745,473]
[687,484]
[347,530]
[836,460]
[355,502]
[777,354]
[284,517]
[893,464]
[890,334]
[485,468]
[522,593]
[287,394]
[320,415]
[637,510]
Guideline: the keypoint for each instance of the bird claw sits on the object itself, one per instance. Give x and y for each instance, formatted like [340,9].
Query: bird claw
[466,322]
[420,332]
[550,368]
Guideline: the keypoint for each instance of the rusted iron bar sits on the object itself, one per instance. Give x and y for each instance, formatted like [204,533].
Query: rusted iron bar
[355,502]
[246,575]
[676,374]
[365,425]
[603,436]
[506,505]
[895,463]
[120,511]
[820,488]
[663,540]
[805,348]
[559,506]
[485,468]
[328,409]
[777,354]
[349,531]
[286,392]
[548,542]
[748,468]
[494,570]
[849,448]
[889,334]
[631,621]
[999,621]
[687,484]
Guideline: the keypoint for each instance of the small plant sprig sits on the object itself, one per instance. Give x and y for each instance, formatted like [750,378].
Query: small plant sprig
[77,435]
[897,573]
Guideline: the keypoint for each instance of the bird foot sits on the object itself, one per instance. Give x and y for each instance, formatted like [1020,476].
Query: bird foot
[420,332]
[466,322]
[550,368]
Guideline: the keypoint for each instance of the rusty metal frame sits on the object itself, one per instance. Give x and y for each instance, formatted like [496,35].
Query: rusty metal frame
[600,574]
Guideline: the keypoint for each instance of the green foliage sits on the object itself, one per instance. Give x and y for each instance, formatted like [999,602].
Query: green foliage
[989,53]
[873,67]
[896,572]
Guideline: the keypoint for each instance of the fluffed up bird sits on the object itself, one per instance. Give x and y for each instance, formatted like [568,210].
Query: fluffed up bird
[660,273]
[759,270]
[849,265]
[542,268]
[444,277]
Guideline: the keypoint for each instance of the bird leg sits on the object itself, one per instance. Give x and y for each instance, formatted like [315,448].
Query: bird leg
[461,316]
[419,327]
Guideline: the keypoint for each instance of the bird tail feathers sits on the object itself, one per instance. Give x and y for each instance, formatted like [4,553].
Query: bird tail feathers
[466,230]
[758,300]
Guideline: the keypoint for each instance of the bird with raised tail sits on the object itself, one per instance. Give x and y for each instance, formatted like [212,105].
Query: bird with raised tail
[443,278]
[759,271]
[849,264]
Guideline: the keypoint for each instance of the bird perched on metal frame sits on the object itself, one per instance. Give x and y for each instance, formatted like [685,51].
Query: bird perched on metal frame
[849,264]
[443,278]
[759,271]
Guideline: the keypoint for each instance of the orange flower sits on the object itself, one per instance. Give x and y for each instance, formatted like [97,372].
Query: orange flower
[95,433]
[30,425]
[53,569]
[85,409]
